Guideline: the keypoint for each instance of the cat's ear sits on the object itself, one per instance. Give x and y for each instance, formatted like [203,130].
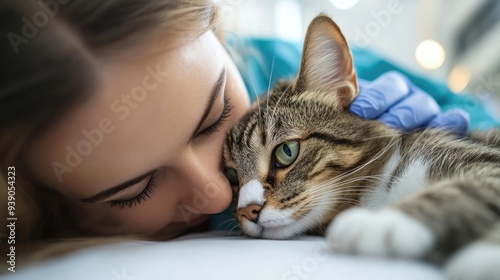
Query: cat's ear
[326,63]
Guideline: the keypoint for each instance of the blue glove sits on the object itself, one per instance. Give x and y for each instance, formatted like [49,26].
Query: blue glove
[394,100]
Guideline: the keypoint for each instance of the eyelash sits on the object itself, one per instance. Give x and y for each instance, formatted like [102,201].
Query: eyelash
[140,197]
[226,113]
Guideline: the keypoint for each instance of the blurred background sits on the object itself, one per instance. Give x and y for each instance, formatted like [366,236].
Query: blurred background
[457,42]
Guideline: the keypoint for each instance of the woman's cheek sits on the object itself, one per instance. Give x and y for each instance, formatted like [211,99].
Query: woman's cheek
[148,217]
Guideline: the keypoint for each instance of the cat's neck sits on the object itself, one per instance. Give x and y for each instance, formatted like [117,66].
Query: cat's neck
[375,195]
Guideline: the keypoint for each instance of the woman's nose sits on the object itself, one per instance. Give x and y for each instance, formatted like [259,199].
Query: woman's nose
[207,190]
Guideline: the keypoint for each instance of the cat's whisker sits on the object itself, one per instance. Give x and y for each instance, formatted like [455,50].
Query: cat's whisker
[372,179]
[332,208]
[343,187]
[335,182]
[331,194]
[325,187]
[269,84]
[335,195]
[331,205]
[333,202]
[234,228]
[349,188]
[338,192]
[332,182]
[338,188]
[270,124]
[377,156]
[246,73]
[382,136]
[254,88]
[228,222]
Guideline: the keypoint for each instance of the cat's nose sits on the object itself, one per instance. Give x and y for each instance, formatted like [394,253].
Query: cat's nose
[250,212]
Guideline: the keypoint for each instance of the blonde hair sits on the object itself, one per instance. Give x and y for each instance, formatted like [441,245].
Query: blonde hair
[50,49]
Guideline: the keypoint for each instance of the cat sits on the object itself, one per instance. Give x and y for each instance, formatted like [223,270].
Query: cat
[299,163]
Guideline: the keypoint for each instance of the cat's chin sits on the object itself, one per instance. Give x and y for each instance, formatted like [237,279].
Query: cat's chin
[281,232]
[280,224]
[275,232]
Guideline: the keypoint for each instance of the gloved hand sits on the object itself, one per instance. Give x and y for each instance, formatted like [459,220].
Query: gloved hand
[394,100]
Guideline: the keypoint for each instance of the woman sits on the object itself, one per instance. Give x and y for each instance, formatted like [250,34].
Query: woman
[114,114]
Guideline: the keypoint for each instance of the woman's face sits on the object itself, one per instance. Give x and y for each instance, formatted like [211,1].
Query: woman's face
[143,154]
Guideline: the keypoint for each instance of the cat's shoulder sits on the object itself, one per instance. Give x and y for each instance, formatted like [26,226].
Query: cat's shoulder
[436,138]
[490,137]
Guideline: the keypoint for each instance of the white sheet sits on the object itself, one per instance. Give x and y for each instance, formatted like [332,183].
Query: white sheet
[218,256]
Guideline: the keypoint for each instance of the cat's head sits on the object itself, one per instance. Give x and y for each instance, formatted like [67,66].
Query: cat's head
[295,159]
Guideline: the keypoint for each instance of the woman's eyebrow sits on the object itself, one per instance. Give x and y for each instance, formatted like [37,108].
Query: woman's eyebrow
[213,95]
[116,189]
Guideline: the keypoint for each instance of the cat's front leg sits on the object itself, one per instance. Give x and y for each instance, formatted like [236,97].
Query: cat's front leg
[432,224]
[385,232]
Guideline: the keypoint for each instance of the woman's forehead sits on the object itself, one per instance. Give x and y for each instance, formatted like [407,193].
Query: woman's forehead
[141,111]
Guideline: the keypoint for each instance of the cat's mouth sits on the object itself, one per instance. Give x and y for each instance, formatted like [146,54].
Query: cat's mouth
[277,223]
[272,224]
[267,230]
[263,217]
[276,229]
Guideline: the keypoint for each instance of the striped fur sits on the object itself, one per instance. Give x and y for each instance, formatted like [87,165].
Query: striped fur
[374,182]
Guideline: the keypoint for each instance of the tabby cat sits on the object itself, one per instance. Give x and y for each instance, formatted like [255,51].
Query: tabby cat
[299,163]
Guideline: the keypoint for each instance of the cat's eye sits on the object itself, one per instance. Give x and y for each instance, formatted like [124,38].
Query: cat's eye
[232,176]
[286,153]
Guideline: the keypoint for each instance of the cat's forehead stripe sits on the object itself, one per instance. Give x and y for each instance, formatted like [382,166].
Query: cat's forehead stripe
[249,133]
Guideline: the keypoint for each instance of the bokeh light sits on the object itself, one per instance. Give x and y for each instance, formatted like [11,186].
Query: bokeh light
[458,79]
[430,54]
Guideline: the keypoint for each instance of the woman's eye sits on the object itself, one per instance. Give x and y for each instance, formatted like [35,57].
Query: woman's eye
[226,114]
[232,176]
[286,153]
[145,194]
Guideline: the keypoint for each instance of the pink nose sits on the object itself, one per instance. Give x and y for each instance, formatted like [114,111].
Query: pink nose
[251,212]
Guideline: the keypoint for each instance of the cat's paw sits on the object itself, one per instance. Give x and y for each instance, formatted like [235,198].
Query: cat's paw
[478,261]
[386,232]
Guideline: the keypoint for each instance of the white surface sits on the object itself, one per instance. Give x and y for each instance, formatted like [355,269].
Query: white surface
[217,256]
